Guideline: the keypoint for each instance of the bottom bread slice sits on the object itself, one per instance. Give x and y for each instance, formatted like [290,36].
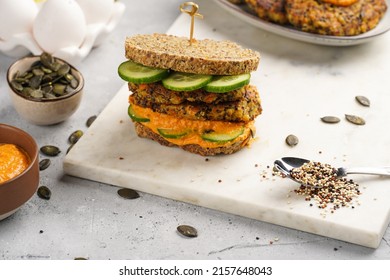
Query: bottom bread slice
[228,148]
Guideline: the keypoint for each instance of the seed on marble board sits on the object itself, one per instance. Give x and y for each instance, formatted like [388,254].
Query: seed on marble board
[80,259]
[292,140]
[128,193]
[44,164]
[91,120]
[355,119]
[330,119]
[75,136]
[363,100]
[50,150]
[44,192]
[187,231]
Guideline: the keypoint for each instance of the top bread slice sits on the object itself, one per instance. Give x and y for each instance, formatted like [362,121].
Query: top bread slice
[207,56]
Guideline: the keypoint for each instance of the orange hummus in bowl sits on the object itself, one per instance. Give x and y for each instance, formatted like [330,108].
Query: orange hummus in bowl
[19,169]
[13,161]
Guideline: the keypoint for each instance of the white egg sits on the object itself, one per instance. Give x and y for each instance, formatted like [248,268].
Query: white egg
[97,11]
[16,16]
[59,24]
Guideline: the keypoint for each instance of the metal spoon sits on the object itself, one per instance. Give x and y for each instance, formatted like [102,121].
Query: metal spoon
[286,164]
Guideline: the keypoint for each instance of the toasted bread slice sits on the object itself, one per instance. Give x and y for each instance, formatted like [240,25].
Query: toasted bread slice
[228,148]
[201,57]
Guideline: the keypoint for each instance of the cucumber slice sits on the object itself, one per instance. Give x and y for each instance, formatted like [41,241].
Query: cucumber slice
[172,133]
[136,117]
[140,74]
[179,81]
[221,84]
[222,137]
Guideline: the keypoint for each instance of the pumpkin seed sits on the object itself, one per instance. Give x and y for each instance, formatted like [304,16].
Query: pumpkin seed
[44,164]
[16,86]
[330,119]
[46,59]
[75,136]
[355,119]
[63,70]
[292,140]
[50,150]
[59,89]
[187,231]
[44,192]
[91,120]
[363,100]
[128,193]
[80,259]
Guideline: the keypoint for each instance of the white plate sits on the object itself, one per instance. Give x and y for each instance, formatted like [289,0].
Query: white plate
[290,32]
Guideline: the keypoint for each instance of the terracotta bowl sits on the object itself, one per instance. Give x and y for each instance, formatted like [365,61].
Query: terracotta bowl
[49,111]
[18,190]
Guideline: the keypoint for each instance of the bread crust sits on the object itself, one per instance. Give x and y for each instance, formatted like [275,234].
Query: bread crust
[201,57]
[145,132]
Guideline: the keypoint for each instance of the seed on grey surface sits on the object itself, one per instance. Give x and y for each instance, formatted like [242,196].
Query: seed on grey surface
[128,193]
[44,192]
[292,140]
[75,136]
[363,100]
[44,164]
[330,119]
[80,259]
[50,150]
[187,231]
[91,120]
[69,148]
[355,119]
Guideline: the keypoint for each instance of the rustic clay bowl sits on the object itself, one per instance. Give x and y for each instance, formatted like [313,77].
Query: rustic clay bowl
[17,191]
[44,112]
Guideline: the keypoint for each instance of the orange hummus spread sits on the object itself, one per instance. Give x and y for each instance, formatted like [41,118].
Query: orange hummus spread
[13,161]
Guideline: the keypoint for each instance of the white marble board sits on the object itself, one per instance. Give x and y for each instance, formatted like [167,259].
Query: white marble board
[298,83]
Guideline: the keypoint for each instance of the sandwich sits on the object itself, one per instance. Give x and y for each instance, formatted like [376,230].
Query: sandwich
[194,96]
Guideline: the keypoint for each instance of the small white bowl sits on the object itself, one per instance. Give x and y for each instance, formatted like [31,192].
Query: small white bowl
[47,111]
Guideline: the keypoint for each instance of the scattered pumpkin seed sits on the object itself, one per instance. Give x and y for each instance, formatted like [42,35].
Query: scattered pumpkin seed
[363,100]
[355,119]
[91,120]
[69,148]
[50,150]
[187,231]
[128,193]
[330,119]
[80,259]
[44,164]
[292,140]
[75,136]
[44,192]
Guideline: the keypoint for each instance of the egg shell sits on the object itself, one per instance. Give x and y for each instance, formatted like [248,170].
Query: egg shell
[97,11]
[59,24]
[17,16]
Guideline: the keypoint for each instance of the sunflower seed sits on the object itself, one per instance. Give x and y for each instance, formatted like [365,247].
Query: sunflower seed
[330,119]
[75,136]
[44,192]
[363,100]
[355,119]
[91,120]
[43,164]
[292,140]
[128,193]
[187,231]
[50,150]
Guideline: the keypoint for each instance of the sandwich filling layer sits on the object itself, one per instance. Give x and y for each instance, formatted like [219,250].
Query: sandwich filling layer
[181,131]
